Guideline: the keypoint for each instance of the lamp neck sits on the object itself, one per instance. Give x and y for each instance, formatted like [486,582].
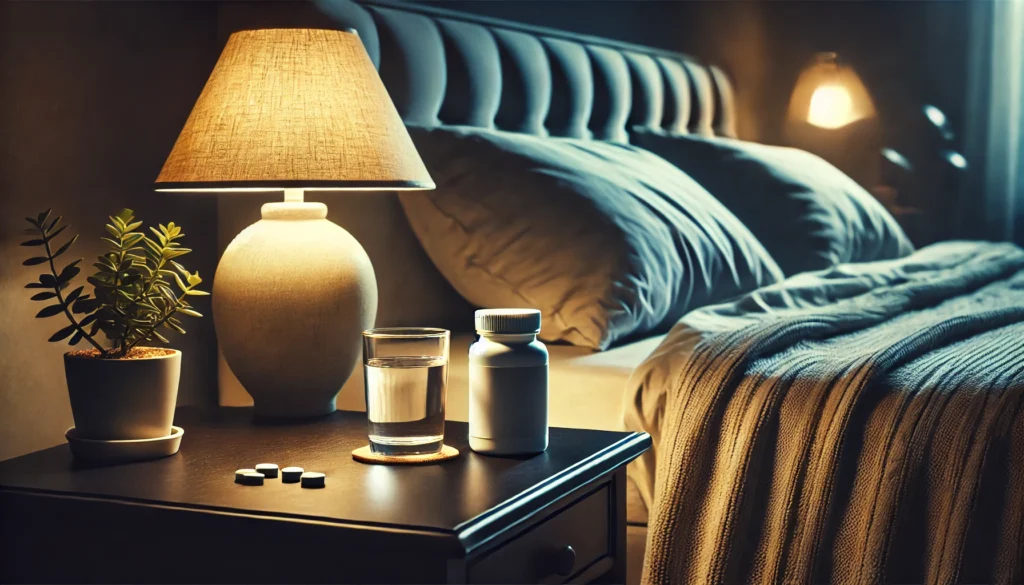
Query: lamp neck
[294,210]
[294,195]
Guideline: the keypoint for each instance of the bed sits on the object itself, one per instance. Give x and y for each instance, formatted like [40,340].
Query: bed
[718,490]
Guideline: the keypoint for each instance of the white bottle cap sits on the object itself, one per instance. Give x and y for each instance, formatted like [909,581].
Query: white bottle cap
[507,321]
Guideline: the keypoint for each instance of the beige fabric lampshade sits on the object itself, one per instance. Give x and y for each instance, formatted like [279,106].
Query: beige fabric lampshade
[296,109]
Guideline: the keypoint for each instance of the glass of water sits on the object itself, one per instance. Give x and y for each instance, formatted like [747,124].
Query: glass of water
[406,377]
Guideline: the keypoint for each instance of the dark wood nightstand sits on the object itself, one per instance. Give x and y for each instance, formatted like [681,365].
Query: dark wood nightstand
[555,517]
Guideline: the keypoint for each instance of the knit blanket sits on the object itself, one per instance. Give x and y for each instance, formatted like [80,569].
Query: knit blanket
[863,424]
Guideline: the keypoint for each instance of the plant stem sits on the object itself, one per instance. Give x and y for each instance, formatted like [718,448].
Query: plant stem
[174,309]
[60,299]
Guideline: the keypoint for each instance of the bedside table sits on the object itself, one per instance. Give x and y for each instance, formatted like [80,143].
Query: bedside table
[555,517]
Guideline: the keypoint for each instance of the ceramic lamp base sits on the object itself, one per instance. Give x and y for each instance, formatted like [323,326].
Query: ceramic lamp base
[291,296]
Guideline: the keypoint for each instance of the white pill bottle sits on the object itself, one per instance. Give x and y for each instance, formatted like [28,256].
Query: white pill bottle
[508,384]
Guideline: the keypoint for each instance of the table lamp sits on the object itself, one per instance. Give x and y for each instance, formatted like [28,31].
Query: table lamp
[830,95]
[293,110]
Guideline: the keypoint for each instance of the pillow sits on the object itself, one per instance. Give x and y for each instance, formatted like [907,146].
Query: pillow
[806,212]
[607,240]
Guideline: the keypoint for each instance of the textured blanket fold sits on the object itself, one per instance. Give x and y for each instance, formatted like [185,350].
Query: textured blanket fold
[859,425]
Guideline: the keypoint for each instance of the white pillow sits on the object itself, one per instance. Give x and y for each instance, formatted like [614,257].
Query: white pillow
[607,240]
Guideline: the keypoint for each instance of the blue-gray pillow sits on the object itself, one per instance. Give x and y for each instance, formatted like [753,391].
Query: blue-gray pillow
[807,213]
[607,240]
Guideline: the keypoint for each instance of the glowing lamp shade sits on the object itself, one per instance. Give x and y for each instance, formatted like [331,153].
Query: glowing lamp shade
[829,95]
[293,110]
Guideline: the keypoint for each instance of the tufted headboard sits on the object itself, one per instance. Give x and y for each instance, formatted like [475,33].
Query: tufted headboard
[444,67]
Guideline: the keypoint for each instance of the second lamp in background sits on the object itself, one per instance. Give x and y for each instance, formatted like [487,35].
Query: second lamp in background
[832,115]
[293,110]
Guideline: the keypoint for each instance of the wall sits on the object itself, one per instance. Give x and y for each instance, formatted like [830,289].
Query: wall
[93,96]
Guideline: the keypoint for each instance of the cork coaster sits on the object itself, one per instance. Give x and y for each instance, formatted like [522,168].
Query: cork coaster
[365,455]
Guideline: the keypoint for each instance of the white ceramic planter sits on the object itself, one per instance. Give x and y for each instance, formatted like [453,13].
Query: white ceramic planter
[123,399]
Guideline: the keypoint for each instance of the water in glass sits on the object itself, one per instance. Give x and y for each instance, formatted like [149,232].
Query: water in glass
[405,398]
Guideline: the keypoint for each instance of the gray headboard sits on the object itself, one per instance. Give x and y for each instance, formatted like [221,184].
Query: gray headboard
[452,68]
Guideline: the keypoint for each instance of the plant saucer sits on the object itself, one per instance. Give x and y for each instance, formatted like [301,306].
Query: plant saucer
[123,451]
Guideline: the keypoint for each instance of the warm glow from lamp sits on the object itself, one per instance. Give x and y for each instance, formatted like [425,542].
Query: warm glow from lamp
[829,95]
[293,110]
[831,107]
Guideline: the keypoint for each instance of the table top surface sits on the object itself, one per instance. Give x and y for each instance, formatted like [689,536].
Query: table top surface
[457,497]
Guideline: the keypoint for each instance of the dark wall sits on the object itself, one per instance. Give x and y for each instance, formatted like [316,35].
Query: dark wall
[93,96]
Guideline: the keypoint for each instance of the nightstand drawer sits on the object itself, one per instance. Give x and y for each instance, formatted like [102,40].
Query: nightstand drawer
[556,549]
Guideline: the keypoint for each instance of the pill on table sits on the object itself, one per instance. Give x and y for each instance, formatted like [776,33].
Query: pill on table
[253,478]
[313,479]
[241,472]
[267,469]
[291,474]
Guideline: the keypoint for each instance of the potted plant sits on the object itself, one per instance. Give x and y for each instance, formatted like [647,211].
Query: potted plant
[122,390]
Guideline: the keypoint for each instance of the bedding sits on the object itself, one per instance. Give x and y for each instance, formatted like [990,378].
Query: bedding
[806,213]
[609,241]
[859,424]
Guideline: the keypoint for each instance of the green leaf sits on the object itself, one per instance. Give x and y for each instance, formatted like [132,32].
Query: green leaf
[126,215]
[194,279]
[190,312]
[32,221]
[89,319]
[175,252]
[34,261]
[181,283]
[159,236]
[43,296]
[98,280]
[51,226]
[66,245]
[47,280]
[133,226]
[174,327]
[160,337]
[73,295]
[111,242]
[33,243]
[197,293]
[38,284]
[42,216]
[75,338]
[63,333]
[112,230]
[50,311]
[131,239]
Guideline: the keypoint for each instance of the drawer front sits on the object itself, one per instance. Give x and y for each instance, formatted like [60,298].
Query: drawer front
[554,550]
